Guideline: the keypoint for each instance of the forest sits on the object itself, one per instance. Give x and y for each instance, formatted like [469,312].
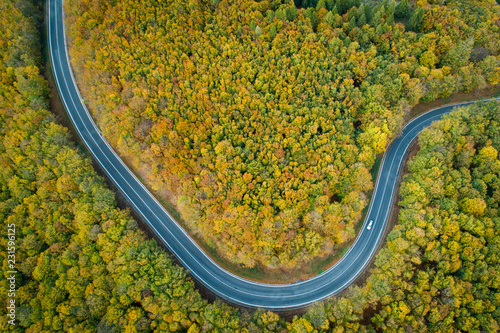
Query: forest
[85,266]
[260,121]
[439,270]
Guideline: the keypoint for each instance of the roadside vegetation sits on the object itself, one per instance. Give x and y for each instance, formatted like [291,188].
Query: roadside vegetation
[439,270]
[260,120]
[84,265]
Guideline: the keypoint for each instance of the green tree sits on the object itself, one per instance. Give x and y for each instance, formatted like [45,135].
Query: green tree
[402,10]
[416,19]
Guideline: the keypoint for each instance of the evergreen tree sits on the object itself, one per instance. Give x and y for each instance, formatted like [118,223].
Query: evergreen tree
[416,19]
[402,10]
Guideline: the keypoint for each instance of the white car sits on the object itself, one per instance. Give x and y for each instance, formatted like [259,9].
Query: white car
[369,227]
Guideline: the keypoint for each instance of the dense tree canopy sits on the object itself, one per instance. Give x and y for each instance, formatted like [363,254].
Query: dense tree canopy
[440,268]
[84,266]
[260,120]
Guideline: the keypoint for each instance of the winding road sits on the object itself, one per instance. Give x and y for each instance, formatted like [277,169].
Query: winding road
[223,283]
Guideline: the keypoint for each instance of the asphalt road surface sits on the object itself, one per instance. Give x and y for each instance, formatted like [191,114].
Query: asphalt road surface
[200,266]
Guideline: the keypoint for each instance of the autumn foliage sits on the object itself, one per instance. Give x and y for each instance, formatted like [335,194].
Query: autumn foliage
[260,120]
[81,263]
[439,270]
[84,266]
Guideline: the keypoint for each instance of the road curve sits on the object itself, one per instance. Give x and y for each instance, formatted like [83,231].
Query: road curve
[223,283]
